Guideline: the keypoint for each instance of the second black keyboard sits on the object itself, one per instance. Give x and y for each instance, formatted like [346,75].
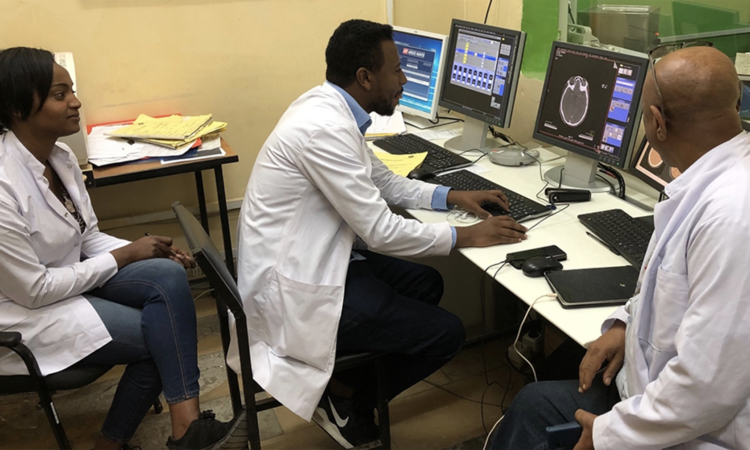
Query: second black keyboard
[628,235]
[438,159]
[521,208]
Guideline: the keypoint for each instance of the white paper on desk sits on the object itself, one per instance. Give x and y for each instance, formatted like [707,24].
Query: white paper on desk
[147,150]
[142,150]
[109,161]
[385,125]
[106,150]
[106,147]
[209,144]
[742,63]
[433,135]
[194,158]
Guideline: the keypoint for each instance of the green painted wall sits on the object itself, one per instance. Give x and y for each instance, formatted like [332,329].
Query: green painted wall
[540,24]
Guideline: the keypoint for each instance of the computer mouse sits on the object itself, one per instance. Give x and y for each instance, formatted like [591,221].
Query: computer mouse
[539,265]
[420,174]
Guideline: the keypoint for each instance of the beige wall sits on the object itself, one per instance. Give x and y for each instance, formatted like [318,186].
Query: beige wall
[242,60]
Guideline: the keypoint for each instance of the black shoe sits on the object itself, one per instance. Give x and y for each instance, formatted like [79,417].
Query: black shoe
[127,447]
[207,433]
[337,417]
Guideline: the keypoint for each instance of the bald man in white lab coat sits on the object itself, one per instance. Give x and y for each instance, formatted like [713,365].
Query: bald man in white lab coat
[683,337]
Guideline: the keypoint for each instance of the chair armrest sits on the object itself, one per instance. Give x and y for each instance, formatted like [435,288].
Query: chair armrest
[9,338]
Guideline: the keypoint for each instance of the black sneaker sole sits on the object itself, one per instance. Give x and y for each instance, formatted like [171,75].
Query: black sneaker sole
[235,439]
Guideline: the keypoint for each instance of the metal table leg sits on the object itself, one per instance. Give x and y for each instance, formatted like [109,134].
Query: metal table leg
[201,199]
[224,214]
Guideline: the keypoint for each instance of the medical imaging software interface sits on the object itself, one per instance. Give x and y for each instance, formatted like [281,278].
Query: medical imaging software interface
[479,74]
[590,101]
[420,61]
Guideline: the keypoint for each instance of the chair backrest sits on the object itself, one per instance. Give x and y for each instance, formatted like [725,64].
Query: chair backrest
[209,259]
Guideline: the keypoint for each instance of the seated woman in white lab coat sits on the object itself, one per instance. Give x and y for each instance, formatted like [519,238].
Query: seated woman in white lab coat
[80,296]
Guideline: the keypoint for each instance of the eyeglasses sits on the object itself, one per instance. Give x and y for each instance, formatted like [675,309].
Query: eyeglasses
[663,50]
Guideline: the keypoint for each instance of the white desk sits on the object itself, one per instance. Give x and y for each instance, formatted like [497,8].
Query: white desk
[563,230]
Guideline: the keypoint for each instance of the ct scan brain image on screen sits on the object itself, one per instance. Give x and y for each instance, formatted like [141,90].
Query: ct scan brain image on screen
[574,103]
[589,101]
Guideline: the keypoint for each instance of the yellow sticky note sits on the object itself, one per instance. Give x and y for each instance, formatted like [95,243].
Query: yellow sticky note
[401,164]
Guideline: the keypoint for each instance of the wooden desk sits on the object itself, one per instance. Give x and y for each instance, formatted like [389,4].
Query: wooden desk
[144,170]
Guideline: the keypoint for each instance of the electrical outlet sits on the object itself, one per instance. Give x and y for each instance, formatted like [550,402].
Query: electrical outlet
[516,360]
[195,274]
[535,341]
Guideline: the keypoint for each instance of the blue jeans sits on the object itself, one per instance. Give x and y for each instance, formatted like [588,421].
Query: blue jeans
[390,306]
[547,403]
[148,310]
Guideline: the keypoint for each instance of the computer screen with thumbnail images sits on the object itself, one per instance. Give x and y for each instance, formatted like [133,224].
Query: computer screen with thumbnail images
[483,64]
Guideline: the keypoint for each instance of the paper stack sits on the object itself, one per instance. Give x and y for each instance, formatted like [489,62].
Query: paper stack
[149,137]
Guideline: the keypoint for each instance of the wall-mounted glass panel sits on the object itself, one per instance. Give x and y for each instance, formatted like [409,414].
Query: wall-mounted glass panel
[641,24]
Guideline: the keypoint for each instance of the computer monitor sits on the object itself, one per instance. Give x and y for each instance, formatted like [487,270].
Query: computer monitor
[649,167]
[590,106]
[483,63]
[421,56]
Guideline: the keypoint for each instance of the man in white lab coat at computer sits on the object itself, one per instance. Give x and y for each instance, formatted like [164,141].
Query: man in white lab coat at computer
[684,336]
[315,187]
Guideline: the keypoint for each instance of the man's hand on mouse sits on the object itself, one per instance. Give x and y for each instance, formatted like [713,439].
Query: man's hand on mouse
[471,201]
[491,231]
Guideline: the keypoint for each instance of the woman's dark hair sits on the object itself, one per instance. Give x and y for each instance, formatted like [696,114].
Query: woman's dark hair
[24,73]
[355,44]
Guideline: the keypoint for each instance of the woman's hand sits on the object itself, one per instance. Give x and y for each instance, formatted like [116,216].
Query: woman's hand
[182,257]
[144,248]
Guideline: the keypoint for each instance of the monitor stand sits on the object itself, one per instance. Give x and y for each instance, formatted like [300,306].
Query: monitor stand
[474,137]
[579,172]
[418,122]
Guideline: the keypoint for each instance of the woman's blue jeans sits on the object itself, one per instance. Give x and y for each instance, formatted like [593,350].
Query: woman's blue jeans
[148,310]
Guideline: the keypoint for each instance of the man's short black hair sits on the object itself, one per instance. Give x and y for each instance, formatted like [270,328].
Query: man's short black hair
[24,73]
[354,44]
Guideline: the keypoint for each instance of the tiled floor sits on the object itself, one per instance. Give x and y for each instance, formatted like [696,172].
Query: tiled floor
[443,411]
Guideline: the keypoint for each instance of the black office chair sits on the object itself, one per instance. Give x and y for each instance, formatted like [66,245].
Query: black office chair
[209,259]
[74,377]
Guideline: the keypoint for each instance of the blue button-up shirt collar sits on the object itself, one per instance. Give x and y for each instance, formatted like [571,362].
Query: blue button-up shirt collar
[360,115]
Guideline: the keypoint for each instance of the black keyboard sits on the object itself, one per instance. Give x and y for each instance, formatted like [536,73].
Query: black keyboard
[438,159]
[521,208]
[629,236]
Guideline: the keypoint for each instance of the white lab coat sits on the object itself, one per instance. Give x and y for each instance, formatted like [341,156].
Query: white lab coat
[686,379]
[46,263]
[314,188]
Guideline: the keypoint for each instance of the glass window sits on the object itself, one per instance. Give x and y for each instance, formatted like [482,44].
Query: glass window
[641,24]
